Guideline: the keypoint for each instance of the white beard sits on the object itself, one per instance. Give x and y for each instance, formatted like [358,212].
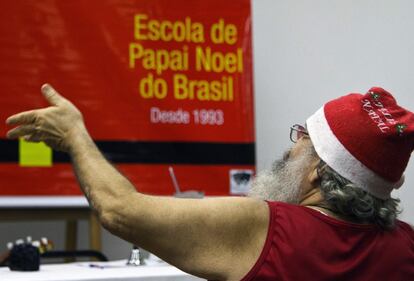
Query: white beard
[283,181]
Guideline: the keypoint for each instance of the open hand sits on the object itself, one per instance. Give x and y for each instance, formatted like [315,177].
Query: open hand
[54,125]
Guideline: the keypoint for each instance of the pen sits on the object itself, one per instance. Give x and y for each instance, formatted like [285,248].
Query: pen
[96,266]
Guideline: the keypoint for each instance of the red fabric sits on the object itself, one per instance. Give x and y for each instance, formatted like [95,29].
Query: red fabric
[303,244]
[366,125]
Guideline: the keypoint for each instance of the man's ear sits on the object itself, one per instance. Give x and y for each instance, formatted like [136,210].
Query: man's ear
[313,176]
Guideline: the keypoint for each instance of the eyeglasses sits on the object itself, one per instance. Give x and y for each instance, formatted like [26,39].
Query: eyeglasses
[297,132]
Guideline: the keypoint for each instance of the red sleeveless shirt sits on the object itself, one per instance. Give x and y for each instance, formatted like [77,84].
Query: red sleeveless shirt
[304,244]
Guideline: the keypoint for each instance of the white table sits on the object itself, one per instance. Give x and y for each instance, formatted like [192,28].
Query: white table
[102,271]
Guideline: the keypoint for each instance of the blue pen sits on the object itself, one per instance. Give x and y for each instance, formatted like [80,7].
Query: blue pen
[96,266]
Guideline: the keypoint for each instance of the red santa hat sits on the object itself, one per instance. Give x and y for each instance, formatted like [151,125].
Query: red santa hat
[367,139]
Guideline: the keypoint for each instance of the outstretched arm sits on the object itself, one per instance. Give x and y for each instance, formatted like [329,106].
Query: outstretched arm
[218,239]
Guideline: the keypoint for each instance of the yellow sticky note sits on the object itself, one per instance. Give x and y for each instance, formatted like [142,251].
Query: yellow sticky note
[33,154]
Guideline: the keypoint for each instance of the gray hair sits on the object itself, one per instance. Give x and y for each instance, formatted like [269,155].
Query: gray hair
[351,201]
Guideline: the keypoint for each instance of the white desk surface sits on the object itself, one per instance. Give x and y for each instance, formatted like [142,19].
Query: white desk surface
[43,202]
[107,271]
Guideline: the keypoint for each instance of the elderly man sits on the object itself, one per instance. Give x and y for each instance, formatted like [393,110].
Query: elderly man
[329,215]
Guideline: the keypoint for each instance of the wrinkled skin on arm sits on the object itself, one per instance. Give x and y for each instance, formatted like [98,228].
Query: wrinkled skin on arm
[218,238]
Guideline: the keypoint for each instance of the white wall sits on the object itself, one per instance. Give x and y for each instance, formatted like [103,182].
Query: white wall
[305,53]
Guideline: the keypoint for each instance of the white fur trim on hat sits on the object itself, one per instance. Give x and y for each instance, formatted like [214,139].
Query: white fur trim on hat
[330,150]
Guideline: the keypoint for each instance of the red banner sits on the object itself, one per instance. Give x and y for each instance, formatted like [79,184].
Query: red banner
[160,83]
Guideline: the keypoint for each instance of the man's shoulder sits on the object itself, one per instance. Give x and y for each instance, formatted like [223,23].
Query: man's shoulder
[288,211]
[276,204]
[287,207]
[405,226]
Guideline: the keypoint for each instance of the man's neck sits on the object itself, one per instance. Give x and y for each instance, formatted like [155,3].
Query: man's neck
[313,199]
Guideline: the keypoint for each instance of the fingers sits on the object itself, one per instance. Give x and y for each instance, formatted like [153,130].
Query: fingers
[51,95]
[22,131]
[26,117]
[32,138]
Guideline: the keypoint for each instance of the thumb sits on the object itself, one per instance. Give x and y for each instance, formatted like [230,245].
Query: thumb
[53,97]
